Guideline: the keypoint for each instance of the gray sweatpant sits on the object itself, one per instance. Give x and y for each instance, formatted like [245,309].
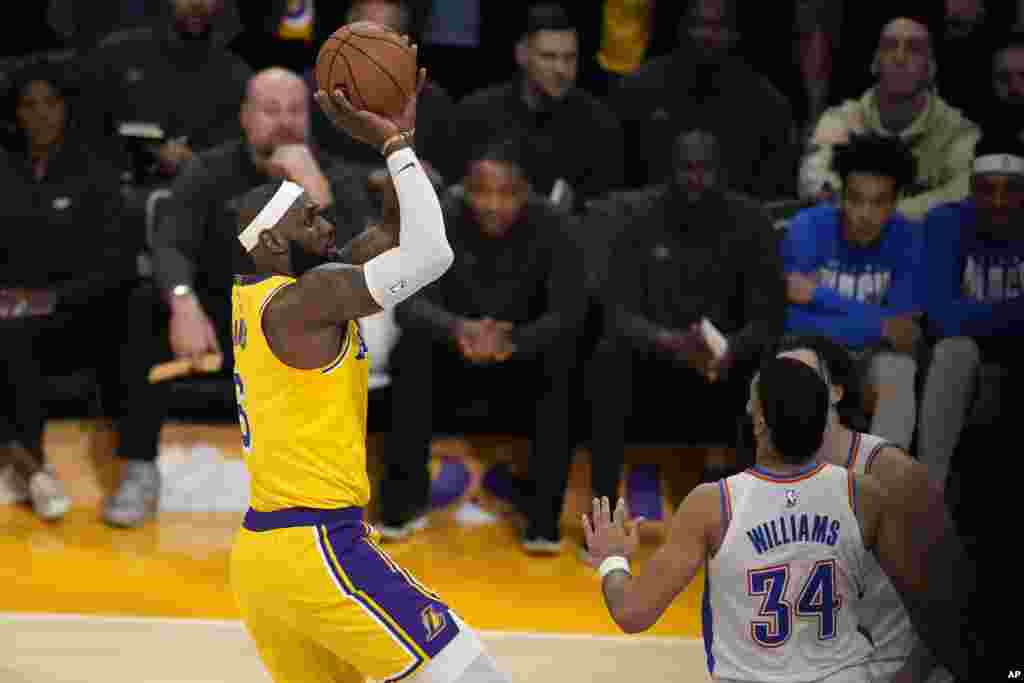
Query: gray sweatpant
[958,389]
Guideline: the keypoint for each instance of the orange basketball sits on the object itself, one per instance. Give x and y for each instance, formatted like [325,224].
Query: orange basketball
[371,64]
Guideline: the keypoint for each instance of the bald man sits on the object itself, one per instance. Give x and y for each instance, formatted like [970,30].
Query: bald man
[903,103]
[194,244]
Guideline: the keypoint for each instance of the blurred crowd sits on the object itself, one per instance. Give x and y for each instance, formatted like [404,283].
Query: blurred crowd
[613,174]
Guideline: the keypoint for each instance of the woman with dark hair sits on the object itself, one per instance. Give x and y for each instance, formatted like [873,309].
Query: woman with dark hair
[880,611]
[68,296]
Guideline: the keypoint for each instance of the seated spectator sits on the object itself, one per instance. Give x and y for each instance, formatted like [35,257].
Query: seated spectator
[433,110]
[575,140]
[903,103]
[177,78]
[693,251]
[852,272]
[704,85]
[68,291]
[1007,98]
[974,265]
[500,324]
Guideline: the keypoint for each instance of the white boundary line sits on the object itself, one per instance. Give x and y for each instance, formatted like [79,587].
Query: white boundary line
[235,623]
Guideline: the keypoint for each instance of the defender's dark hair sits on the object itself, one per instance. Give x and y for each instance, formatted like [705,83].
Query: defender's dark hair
[795,401]
[838,368]
[877,155]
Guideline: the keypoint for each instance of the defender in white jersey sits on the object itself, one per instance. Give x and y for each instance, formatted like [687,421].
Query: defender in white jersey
[786,545]
[881,612]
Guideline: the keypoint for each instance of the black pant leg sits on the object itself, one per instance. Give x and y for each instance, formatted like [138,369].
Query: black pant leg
[610,390]
[405,481]
[551,444]
[124,361]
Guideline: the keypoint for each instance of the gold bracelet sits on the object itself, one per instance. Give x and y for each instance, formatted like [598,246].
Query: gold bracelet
[401,136]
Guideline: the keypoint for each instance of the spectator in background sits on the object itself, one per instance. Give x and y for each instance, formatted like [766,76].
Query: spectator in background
[195,246]
[68,289]
[974,266]
[853,274]
[903,104]
[704,85]
[175,76]
[694,251]
[502,324]
[433,110]
[1006,109]
[575,141]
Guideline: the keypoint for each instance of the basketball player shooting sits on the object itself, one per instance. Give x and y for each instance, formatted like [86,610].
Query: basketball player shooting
[785,545]
[320,598]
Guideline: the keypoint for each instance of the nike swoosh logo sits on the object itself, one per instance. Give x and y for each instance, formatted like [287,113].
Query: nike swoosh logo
[408,165]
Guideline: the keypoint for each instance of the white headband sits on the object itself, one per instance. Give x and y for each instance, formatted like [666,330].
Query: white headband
[270,214]
[999,163]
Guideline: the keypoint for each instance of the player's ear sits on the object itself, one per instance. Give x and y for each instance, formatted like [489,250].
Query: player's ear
[273,241]
[837,392]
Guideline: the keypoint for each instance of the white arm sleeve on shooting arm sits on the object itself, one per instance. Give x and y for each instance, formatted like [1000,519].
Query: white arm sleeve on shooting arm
[423,253]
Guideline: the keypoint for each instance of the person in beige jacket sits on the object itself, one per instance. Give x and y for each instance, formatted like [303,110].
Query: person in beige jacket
[902,103]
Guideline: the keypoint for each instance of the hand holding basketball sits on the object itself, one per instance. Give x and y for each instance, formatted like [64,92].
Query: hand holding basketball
[364,125]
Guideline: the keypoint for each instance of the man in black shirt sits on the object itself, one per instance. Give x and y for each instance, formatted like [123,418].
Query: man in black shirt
[573,136]
[176,75]
[692,251]
[500,323]
[704,84]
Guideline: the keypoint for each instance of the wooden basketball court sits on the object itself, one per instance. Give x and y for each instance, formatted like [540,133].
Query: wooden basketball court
[82,602]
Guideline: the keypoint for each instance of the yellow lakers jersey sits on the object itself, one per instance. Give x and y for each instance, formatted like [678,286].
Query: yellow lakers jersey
[303,431]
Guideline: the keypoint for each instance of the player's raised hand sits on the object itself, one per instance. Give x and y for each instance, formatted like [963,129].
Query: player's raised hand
[364,125]
[609,533]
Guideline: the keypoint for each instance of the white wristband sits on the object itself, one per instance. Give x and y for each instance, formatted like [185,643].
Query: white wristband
[613,563]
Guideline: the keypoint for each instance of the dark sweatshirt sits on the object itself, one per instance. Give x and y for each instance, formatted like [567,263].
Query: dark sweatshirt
[751,119]
[65,232]
[195,241]
[673,263]
[193,89]
[578,138]
[532,277]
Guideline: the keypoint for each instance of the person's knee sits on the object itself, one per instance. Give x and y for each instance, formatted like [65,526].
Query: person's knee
[890,370]
[957,352]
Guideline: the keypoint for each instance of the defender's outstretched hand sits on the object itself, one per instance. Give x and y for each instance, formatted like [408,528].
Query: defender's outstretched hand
[366,126]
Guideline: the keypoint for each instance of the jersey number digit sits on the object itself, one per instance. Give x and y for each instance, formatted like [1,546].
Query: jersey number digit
[818,599]
[243,419]
[770,585]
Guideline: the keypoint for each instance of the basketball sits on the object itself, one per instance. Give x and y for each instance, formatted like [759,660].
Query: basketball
[371,64]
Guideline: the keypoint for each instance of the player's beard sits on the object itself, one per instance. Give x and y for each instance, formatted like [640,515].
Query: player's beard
[303,260]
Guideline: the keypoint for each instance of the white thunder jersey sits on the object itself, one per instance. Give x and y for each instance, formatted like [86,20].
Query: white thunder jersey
[881,610]
[780,591]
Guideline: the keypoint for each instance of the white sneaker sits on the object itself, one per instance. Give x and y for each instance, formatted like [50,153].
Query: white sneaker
[47,494]
[398,533]
[13,488]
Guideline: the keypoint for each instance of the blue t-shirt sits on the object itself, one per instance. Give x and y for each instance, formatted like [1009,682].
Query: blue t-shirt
[974,285]
[859,286]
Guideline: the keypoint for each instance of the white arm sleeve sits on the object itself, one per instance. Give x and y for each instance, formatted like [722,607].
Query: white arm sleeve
[423,253]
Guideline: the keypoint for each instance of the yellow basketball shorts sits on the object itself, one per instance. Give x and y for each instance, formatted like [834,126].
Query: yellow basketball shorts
[320,598]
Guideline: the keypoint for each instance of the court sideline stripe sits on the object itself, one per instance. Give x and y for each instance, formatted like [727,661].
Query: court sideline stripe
[525,635]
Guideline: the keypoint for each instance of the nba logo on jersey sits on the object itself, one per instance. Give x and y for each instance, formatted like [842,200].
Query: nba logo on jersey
[434,621]
[791,498]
